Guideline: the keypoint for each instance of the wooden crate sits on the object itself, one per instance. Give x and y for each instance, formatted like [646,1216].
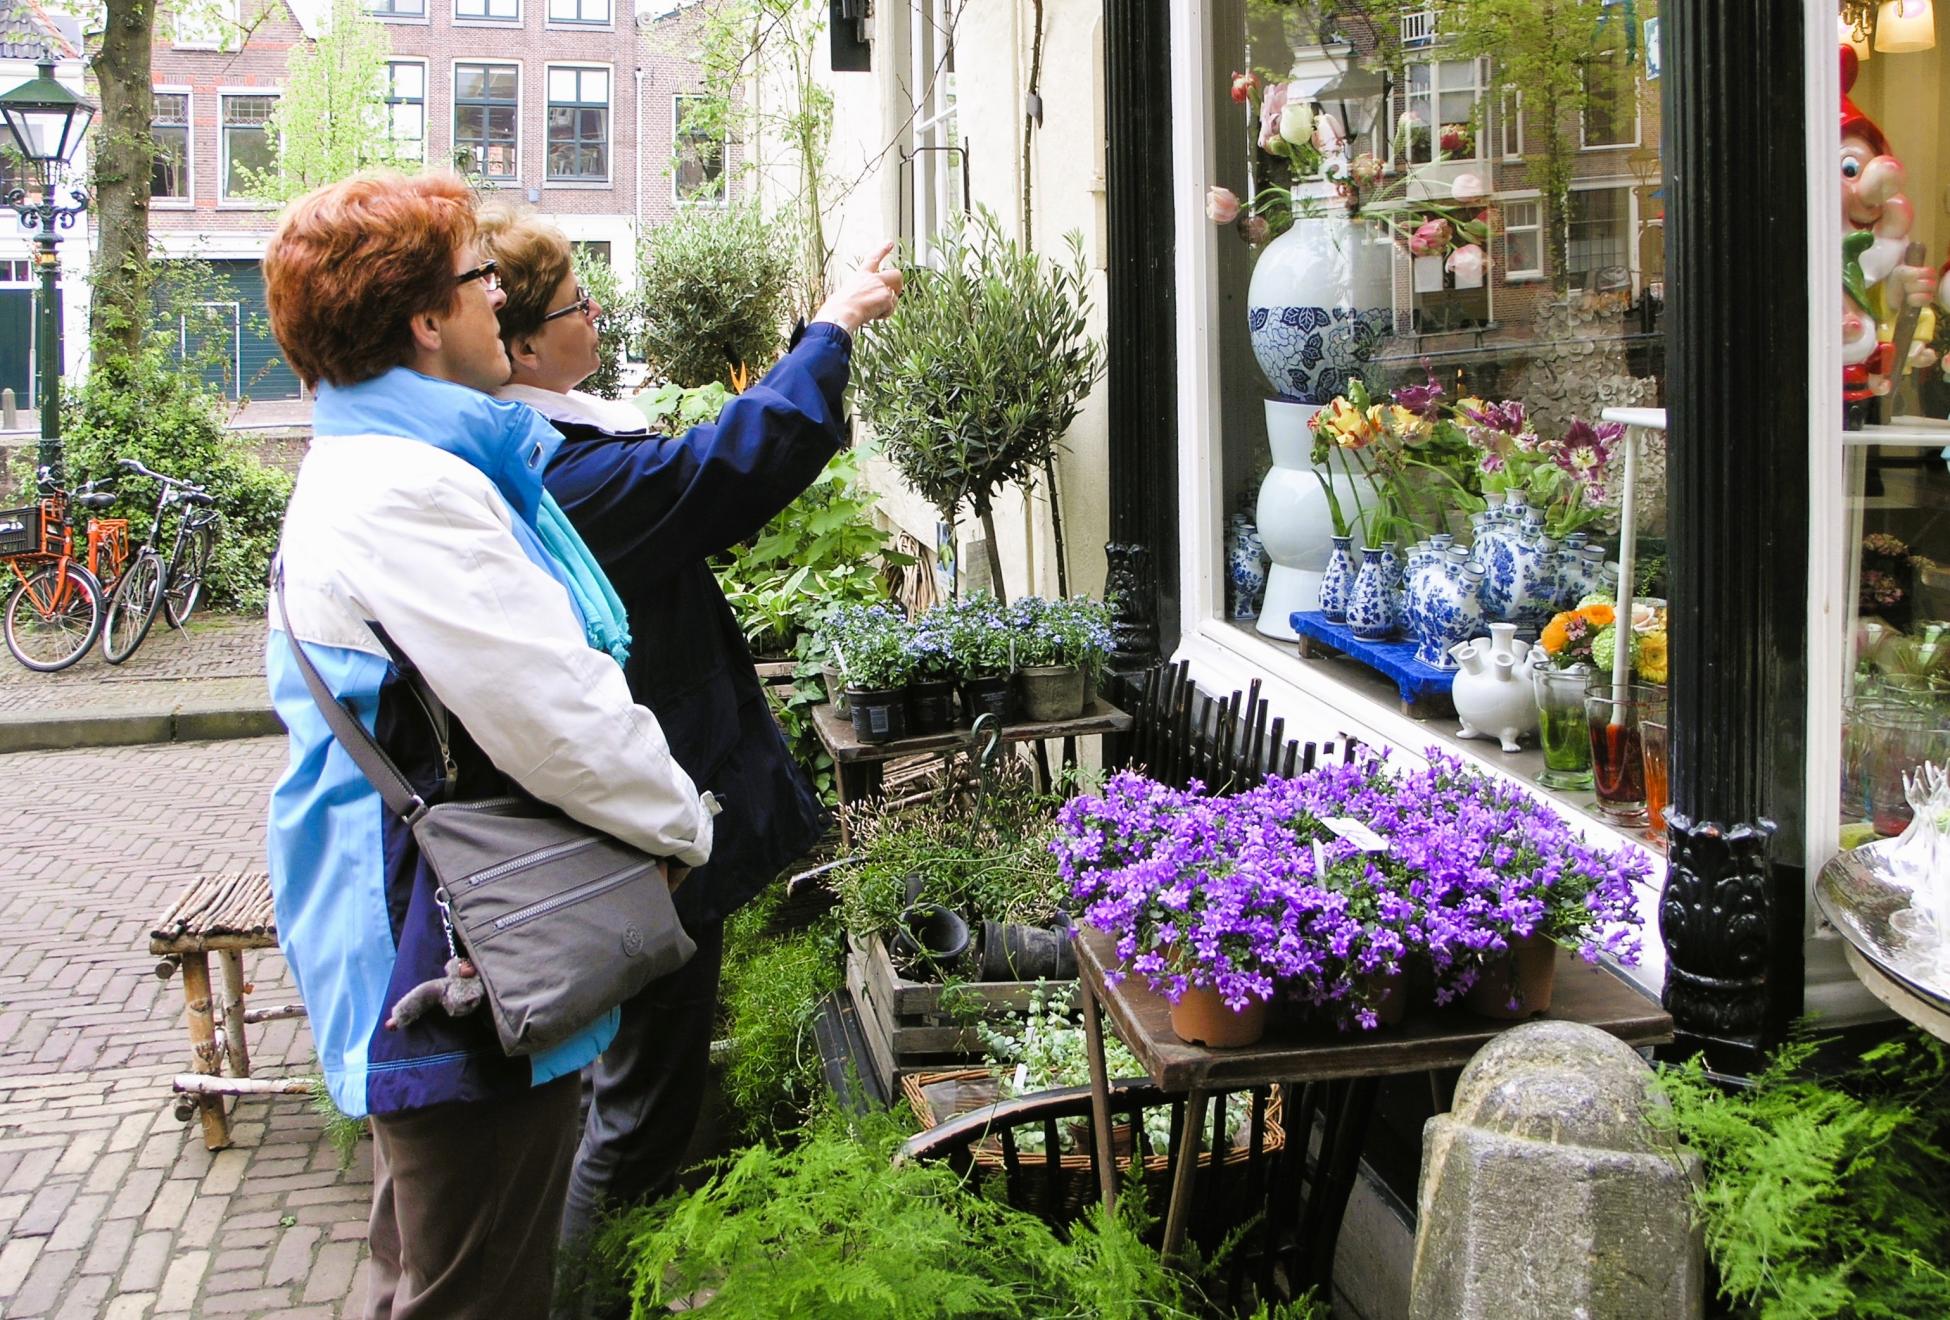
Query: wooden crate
[906,1027]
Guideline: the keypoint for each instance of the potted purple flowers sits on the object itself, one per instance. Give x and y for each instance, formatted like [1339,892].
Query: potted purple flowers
[1336,888]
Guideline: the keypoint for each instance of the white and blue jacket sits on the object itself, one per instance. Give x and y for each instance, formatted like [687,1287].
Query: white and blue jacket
[411,541]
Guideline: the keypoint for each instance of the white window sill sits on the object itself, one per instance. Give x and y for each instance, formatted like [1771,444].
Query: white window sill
[488,22]
[236,205]
[564,25]
[578,185]
[173,204]
[1524,277]
[409,20]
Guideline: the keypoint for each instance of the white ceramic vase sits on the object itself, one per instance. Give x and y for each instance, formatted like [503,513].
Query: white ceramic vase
[1493,693]
[1295,529]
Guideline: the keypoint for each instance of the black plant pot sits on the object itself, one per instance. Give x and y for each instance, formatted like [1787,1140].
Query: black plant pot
[931,706]
[988,694]
[1026,953]
[932,934]
[879,714]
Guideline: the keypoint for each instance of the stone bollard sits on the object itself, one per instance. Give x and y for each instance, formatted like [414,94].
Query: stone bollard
[9,418]
[1546,1194]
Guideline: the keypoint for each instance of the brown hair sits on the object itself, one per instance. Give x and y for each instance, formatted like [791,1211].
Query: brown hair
[353,262]
[533,257]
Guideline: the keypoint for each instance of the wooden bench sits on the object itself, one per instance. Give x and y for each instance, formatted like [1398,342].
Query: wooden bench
[222,914]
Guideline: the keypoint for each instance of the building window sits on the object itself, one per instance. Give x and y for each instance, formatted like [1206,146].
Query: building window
[499,11]
[169,126]
[699,164]
[578,124]
[486,105]
[1523,241]
[247,145]
[397,8]
[406,108]
[1439,115]
[592,250]
[1597,238]
[934,191]
[1509,121]
[578,11]
[1611,105]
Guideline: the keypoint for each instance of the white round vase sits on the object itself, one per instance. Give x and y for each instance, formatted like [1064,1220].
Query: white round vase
[1295,528]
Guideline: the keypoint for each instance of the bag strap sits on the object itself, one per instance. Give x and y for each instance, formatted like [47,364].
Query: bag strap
[378,768]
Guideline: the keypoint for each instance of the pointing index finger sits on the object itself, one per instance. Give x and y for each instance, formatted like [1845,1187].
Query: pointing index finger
[873,262]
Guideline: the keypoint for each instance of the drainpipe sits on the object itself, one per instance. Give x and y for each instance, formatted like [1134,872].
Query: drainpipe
[637,172]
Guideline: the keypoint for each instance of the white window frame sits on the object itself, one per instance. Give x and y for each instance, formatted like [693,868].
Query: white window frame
[1479,90]
[453,111]
[1628,86]
[608,20]
[677,195]
[1511,274]
[426,78]
[934,189]
[187,201]
[1509,117]
[207,31]
[609,124]
[225,95]
[485,19]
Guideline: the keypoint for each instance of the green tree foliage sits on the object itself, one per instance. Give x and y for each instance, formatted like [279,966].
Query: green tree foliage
[712,295]
[331,119]
[973,380]
[617,328]
[1825,1197]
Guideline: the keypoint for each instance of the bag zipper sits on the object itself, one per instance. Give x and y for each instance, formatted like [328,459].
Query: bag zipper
[549,854]
[590,890]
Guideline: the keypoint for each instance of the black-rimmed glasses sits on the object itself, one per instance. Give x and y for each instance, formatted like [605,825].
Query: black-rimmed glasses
[581,304]
[488,273]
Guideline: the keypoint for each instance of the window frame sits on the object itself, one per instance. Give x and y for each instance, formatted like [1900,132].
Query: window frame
[937,184]
[394,13]
[1509,113]
[582,24]
[426,76]
[1628,219]
[226,24]
[608,108]
[1628,88]
[1479,89]
[512,179]
[187,201]
[1509,272]
[678,196]
[485,19]
[225,95]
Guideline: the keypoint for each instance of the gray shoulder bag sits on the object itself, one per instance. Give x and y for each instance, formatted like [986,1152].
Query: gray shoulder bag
[561,921]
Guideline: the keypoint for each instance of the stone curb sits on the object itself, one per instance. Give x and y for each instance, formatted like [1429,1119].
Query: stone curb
[61,732]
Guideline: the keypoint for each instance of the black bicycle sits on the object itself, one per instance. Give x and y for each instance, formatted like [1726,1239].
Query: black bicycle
[150,584]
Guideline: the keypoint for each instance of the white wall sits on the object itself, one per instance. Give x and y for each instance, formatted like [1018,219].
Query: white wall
[1065,168]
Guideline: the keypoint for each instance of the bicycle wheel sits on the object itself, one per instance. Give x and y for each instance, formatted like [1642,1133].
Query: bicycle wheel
[185,587]
[133,607]
[53,617]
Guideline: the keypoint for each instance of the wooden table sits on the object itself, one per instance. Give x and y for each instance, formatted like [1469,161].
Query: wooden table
[1342,1069]
[857,765]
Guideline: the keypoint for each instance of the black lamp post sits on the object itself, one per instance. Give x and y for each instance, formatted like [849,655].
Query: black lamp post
[1355,97]
[47,122]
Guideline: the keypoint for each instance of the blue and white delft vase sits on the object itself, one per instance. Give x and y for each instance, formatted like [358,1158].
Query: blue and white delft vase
[1448,607]
[1318,304]
[1245,567]
[1391,562]
[1337,586]
[1371,607]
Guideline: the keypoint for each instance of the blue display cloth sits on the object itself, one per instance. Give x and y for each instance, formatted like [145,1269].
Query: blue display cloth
[1394,660]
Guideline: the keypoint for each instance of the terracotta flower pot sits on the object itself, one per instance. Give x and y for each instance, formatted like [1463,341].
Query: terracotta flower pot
[1390,999]
[1527,973]
[1202,1018]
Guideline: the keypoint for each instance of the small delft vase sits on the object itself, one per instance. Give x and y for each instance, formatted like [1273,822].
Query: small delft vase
[1371,607]
[1397,574]
[1245,567]
[1337,584]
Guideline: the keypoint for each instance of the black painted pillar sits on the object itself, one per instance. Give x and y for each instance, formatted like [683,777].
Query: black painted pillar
[1737,354]
[1141,357]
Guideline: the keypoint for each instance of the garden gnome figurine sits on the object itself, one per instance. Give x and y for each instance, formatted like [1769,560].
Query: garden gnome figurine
[1877,284]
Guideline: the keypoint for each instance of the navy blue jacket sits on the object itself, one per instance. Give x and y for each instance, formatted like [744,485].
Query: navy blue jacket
[654,509]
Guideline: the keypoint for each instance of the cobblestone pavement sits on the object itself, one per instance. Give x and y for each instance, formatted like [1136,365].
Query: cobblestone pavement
[216,653]
[108,1205]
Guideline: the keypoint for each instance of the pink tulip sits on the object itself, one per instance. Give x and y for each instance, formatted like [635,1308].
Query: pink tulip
[1430,239]
[1466,264]
[1254,229]
[1221,205]
[1270,107]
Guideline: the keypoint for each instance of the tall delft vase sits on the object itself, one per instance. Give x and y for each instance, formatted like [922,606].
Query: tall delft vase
[1317,306]
[1337,583]
[1371,605]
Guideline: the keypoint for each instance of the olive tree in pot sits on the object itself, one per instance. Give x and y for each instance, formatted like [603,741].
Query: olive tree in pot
[973,380]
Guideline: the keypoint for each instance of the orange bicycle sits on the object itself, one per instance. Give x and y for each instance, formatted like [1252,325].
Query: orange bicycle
[54,612]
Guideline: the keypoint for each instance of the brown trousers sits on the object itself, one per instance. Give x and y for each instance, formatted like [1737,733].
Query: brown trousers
[467,1205]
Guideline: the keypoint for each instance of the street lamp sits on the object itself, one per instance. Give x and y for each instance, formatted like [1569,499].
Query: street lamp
[47,122]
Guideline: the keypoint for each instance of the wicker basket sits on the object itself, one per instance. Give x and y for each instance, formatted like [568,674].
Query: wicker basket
[1078,1187]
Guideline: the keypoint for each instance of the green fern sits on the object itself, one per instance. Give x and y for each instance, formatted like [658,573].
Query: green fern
[1825,1197]
[770,988]
[342,1130]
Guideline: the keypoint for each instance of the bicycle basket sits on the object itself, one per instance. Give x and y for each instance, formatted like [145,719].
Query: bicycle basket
[20,530]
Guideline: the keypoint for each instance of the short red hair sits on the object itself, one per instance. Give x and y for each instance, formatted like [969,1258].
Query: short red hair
[351,263]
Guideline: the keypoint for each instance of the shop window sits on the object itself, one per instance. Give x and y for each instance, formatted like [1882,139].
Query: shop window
[698,173]
[487,103]
[1440,117]
[247,145]
[406,108]
[169,128]
[578,125]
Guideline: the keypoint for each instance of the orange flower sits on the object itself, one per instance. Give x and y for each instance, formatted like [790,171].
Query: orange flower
[1599,615]
[1556,633]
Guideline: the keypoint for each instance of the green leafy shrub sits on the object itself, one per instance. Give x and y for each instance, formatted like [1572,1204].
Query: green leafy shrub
[672,409]
[832,1228]
[149,407]
[770,988]
[712,291]
[1825,1197]
[614,330]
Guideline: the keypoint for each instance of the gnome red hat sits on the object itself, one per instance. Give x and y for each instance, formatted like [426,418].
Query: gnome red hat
[1854,122]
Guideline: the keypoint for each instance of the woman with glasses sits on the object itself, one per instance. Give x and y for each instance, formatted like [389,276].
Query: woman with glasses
[654,509]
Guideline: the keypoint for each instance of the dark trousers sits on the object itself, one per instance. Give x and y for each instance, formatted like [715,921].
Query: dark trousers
[645,1091]
[466,1203]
